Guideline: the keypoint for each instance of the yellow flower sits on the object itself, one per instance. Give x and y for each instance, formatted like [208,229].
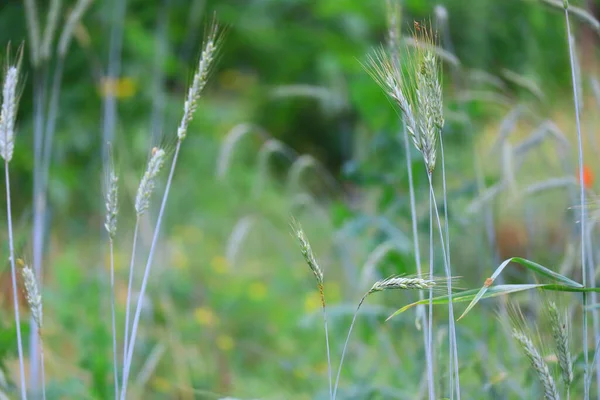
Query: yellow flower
[332,292]
[219,264]
[180,259]
[312,301]
[224,342]
[205,316]
[257,291]
[121,88]
[161,384]
[300,373]
[321,367]
[119,261]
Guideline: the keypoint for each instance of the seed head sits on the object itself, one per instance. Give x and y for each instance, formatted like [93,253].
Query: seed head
[307,252]
[205,64]
[112,207]
[34,298]
[8,113]
[538,364]
[417,91]
[560,334]
[148,182]
[403,283]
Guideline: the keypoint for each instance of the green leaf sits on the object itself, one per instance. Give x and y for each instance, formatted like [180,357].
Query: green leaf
[532,266]
[469,295]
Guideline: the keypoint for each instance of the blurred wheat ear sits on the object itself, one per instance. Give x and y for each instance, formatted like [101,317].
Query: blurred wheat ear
[34,301]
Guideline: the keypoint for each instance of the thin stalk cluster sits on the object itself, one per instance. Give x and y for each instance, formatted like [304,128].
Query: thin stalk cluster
[414,84]
[43,53]
[199,80]
[394,15]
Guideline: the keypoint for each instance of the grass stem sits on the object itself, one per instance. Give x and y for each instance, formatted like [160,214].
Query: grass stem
[581,200]
[129,288]
[113,317]
[13,271]
[452,334]
[138,310]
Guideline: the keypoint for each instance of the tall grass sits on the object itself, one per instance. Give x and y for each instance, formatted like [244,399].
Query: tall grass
[581,199]
[417,91]
[199,81]
[8,116]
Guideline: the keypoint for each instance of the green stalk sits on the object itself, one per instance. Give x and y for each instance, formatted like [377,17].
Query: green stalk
[586,393]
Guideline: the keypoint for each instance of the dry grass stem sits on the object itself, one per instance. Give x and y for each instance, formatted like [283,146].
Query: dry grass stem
[50,29]
[72,21]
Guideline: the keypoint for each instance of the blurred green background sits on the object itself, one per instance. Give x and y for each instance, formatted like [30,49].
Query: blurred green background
[231,308]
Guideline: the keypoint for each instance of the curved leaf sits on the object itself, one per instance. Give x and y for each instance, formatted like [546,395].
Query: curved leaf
[532,266]
[469,295]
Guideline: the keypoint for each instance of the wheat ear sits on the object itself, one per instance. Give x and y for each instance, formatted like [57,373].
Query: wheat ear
[560,334]
[538,364]
[34,301]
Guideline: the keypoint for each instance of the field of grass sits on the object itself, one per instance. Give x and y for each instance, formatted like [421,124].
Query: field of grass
[268,172]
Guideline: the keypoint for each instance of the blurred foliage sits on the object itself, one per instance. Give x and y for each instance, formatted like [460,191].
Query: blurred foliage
[243,318]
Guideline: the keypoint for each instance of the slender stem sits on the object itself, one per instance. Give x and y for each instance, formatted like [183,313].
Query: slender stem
[594,298]
[113,70]
[129,287]
[337,379]
[586,393]
[113,315]
[42,369]
[415,232]
[431,271]
[452,333]
[138,310]
[454,354]
[13,272]
[40,76]
[327,342]
[51,123]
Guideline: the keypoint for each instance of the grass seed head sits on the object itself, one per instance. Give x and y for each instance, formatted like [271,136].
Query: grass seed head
[560,334]
[34,298]
[148,182]
[403,283]
[307,252]
[538,364]
[112,207]
[211,47]
[414,84]
[8,113]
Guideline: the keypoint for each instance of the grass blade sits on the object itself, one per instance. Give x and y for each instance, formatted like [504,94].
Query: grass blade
[532,266]
[469,295]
